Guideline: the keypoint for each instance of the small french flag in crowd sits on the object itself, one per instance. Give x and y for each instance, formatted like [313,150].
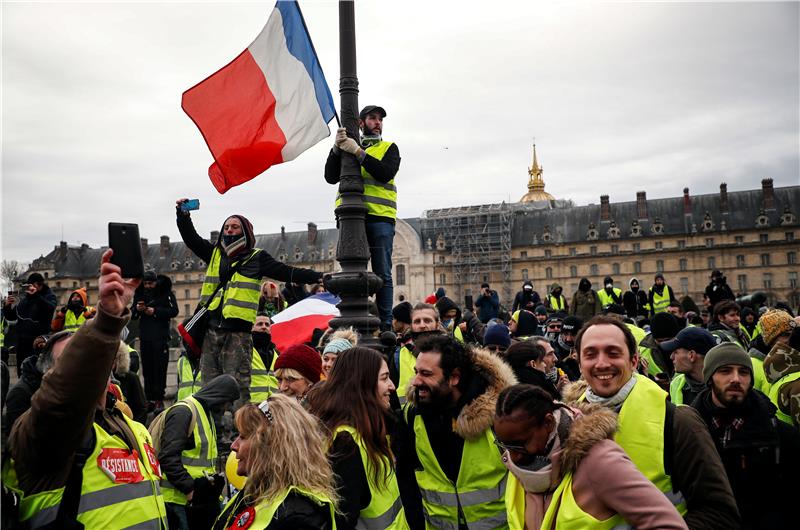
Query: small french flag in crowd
[296,323]
[266,106]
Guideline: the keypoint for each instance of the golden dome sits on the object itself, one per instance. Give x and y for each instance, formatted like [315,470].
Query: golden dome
[536,183]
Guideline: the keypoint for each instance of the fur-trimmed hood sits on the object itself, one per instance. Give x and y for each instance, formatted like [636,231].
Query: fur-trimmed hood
[595,424]
[122,362]
[478,414]
[571,393]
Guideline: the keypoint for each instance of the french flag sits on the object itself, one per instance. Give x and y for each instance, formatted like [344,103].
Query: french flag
[296,323]
[266,106]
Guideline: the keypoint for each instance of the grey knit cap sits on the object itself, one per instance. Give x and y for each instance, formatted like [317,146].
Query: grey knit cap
[723,355]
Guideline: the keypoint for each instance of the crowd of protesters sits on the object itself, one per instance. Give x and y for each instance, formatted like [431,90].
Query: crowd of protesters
[608,408]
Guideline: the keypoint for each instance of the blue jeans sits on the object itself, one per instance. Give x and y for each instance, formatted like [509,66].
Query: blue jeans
[380,237]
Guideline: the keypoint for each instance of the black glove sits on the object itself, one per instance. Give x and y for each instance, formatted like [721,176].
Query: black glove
[203,491]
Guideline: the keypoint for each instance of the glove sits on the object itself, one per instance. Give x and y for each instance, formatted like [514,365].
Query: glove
[347,144]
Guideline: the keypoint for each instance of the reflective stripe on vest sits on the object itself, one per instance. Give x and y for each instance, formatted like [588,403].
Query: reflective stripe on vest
[240,295]
[660,301]
[199,459]
[557,303]
[564,512]
[385,509]
[104,503]
[641,435]
[606,299]
[774,396]
[189,382]
[407,364]
[72,322]
[380,199]
[479,491]
[263,382]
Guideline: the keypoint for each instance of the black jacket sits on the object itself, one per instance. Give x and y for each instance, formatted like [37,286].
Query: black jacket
[761,459]
[297,512]
[526,300]
[719,291]
[634,303]
[19,396]
[33,313]
[162,299]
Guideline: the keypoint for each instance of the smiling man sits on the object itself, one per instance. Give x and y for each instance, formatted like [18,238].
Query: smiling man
[667,443]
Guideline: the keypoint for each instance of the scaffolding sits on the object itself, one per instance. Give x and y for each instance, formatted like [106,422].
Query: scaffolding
[479,241]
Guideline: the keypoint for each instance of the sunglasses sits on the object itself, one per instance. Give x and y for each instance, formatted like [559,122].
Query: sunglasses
[494,348]
[518,449]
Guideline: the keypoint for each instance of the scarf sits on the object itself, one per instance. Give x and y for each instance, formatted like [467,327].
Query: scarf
[233,244]
[612,402]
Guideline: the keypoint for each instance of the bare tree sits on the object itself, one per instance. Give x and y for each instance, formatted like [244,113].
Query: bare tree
[9,271]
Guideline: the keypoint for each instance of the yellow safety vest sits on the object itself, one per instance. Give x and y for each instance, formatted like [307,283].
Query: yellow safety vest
[265,510]
[653,368]
[263,382]
[385,509]
[760,381]
[751,336]
[676,389]
[606,299]
[515,503]
[660,301]
[557,303]
[774,396]
[72,322]
[565,514]
[641,435]
[479,491]
[189,381]
[240,296]
[407,364]
[379,198]
[200,459]
[105,503]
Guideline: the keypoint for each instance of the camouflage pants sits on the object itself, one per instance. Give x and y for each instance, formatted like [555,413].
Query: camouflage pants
[228,352]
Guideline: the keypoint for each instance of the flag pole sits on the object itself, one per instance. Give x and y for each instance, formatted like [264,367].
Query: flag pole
[354,284]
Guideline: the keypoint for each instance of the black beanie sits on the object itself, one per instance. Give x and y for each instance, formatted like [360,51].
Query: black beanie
[664,326]
[402,312]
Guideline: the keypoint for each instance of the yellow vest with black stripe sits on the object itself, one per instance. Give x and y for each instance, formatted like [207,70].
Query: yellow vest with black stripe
[72,322]
[263,382]
[760,381]
[385,509]
[239,298]
[189,382]
[557,303]
[406,373]
[774,396]
[199,459]
[641,435]
[265,510]
[380,199]
[565,514]
[103,503]
[660,301]
[479,491]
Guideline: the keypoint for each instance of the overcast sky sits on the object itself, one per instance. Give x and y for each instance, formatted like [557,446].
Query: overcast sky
[621,97]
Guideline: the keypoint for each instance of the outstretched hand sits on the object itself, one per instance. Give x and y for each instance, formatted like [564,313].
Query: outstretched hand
[115,292]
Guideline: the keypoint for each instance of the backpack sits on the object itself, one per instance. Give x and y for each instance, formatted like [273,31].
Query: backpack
[156,428]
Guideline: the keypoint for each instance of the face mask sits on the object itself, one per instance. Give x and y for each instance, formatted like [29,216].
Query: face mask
[634,287]
[233,243]
[370,139]
[552,335]
[75,304]
[609,286]
[565,344]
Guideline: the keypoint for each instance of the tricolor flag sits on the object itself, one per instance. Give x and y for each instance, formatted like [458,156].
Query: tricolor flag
[265,107]
[296,323]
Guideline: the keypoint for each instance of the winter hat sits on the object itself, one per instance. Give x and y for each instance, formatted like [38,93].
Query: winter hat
[614,309]
[528,285]
[658,275]
[497,335]
[571,324]
[337,346]
[35,278]
[431,299]
[402,312]
[607,280]
[515,315]
[302,358]
[664,326]
[723,355]
[775,323]
[440,293]
[540,310]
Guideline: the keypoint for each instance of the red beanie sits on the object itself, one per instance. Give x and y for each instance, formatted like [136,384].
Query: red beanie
[302,358]
[431,299]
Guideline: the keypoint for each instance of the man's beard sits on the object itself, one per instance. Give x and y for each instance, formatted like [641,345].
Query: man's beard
[439,397]
[734,401]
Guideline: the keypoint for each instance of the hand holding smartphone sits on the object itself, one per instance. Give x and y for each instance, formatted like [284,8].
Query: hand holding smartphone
[123,239]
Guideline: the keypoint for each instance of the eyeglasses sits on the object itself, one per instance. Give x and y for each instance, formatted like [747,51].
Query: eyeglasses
[264,408]
[519,449]
[494,348]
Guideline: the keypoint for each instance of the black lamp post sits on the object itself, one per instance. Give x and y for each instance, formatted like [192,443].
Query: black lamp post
[354,284]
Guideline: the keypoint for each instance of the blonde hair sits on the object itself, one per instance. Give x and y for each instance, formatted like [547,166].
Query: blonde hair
[348,334]
[287,451]
[290,373]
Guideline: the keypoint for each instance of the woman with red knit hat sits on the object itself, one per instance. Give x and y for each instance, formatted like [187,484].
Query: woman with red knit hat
[296,369]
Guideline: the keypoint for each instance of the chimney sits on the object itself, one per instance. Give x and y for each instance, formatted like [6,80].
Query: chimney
[723,197]
[768,194]
[283,233]
[143,243]
[605,209]
[641,204]
[62,250]
[687,202]
[312,234]
[213,237]
[164,247]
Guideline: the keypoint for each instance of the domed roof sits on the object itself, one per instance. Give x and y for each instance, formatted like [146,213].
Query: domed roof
[536,191]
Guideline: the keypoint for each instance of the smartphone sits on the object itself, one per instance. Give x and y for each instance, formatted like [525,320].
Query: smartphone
[191,204]
[123,238]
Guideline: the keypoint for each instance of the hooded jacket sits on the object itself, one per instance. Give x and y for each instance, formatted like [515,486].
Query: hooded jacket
[155,327]
[220,390]
[268,266]
[445,304]
[556,290]
[585,302]
[526,299]
[447,429]
[61,314]
[635,302]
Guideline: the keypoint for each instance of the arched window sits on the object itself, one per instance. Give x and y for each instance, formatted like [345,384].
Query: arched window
[400,275]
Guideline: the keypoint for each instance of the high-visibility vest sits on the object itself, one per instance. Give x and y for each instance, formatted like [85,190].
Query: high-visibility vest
[201,458]
[653,368]
[407,364]
[105,503]
[515,503]
[385,509]
[641,435]
[557,303]
[240,296]
[774,396]
[189,381]
[479,491]
[676,389]
[379,198]
[565,514]
[760,381]
[73,322]
[637,332]
[606,299]
[458,334]
[265,510]
[660,301]
[263,382]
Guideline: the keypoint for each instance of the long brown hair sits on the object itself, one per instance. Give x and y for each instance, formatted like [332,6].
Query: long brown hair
[350,397]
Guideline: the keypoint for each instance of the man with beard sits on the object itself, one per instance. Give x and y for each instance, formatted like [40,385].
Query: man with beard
[448,460]
[635,300]
[761,455]
[154,305]
[74,314]
[262,369]
[424,321]
[669,444]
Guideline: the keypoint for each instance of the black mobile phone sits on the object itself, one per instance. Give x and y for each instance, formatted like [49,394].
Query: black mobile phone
[468,303]
[123,238]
